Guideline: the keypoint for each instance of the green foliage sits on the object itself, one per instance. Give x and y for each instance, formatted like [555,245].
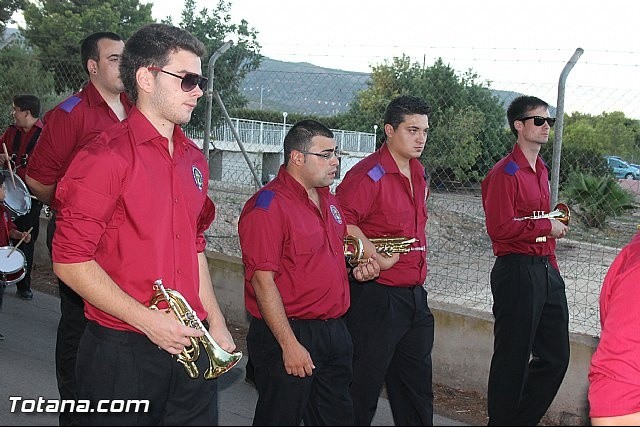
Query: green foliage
[606,134]
[594,199]
[577,159]
[56,28]
[214,28]
[7,9]
[467,121]
[21,73]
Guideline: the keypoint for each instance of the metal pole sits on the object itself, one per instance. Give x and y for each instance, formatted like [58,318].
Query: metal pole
[557,143]
[225,114]
[209,94]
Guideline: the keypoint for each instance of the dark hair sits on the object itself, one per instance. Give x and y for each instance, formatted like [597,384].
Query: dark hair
[89,46]
[28,102]
[150,46]
[402,106]
[519,108]
[300,135]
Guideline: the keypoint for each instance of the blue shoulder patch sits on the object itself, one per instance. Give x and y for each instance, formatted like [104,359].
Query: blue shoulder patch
[264,199]
[70,103]
[511,168]
[376,172]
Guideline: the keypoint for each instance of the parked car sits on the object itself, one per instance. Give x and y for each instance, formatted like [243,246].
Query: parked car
[622,169]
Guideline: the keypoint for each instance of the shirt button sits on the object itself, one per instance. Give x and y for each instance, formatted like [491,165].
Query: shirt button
[175,200]
[179,271]
[178,236]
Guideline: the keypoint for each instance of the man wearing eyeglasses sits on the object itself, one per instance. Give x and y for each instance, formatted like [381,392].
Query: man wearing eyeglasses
[531,335]
[296,287]
[69,126]
[385,194]
[135,209]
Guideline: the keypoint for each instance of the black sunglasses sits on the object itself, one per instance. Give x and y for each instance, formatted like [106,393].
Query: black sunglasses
[189,80]
[539,120]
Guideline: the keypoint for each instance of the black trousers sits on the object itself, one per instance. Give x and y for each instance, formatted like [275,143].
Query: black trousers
[23,223]
[70,330]
[321,399]
[122,367]
[531,339]
[392,330]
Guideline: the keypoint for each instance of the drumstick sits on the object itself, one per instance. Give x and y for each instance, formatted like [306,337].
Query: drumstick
[21,240]
[6,153]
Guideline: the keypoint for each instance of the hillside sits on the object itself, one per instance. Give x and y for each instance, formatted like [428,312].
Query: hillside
[305,88]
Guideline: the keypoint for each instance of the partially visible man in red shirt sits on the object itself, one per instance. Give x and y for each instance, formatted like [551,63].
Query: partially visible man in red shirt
[19,140]
[531,330]
[73,123]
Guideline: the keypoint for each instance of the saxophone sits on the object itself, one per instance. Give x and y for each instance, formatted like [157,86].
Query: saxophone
[220,361]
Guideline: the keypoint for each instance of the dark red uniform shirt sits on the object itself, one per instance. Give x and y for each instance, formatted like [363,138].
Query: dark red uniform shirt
[137,211]
[376,197]
[68,127]
[282,230]
[21,158]
[614,373]
[512,189]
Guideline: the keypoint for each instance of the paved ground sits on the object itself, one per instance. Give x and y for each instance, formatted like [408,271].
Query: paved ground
[27,356]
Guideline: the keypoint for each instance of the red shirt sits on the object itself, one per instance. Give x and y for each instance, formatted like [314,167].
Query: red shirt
[137,211]
[614,373]
[377,198]
[6,227]
[8,138]
[512,189]
[67,128]
[282,230]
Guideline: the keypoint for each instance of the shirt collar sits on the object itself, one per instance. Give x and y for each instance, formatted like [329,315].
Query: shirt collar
[94,98]
[295,187]
[143,131]
[522,161]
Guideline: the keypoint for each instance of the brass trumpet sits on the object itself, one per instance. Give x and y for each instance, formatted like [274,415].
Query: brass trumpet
[386,246]
[220,361]
[560,212]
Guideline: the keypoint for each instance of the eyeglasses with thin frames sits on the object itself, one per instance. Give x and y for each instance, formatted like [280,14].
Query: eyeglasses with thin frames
[327,154]
[539,120]
[189,80]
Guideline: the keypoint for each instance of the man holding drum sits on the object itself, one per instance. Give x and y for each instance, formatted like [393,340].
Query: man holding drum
[18,141]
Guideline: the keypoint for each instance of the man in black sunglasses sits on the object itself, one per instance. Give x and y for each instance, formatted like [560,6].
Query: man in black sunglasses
[531,330]
[136,207]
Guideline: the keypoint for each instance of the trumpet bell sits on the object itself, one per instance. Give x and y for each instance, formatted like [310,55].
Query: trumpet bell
[220,360]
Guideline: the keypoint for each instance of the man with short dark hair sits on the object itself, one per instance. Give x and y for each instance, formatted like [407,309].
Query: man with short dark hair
[531,330]
[19,140]
[72,124]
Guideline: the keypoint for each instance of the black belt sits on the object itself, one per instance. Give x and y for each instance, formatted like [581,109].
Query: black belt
[525,259]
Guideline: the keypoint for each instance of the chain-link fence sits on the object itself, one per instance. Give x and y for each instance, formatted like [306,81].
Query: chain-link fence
[600,123]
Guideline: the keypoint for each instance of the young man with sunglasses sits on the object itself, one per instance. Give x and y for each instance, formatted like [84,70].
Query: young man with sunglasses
[69,126]
[296,287]
[531,330]
[135,209]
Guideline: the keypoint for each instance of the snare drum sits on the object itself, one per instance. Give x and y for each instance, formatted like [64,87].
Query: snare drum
[17,198]
[12,268]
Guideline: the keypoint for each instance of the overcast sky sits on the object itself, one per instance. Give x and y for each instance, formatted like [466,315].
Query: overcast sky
[502,40]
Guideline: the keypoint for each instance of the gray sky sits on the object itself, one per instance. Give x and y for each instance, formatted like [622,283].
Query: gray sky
[502,40]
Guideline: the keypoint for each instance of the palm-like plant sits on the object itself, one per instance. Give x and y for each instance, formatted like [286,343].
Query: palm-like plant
[597,198]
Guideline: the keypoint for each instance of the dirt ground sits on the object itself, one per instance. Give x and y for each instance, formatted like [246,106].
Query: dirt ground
[456,404]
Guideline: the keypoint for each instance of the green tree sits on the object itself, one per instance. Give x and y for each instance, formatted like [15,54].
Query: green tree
[21,73]
[56,28]
[7,9]
[467,122]
[214,27]
[607,133]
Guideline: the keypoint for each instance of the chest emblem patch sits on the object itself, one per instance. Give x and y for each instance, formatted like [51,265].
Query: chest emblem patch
[336,214]
[197,177]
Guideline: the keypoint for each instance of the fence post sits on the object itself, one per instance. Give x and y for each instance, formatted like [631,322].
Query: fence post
[207,123]
[557,143]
